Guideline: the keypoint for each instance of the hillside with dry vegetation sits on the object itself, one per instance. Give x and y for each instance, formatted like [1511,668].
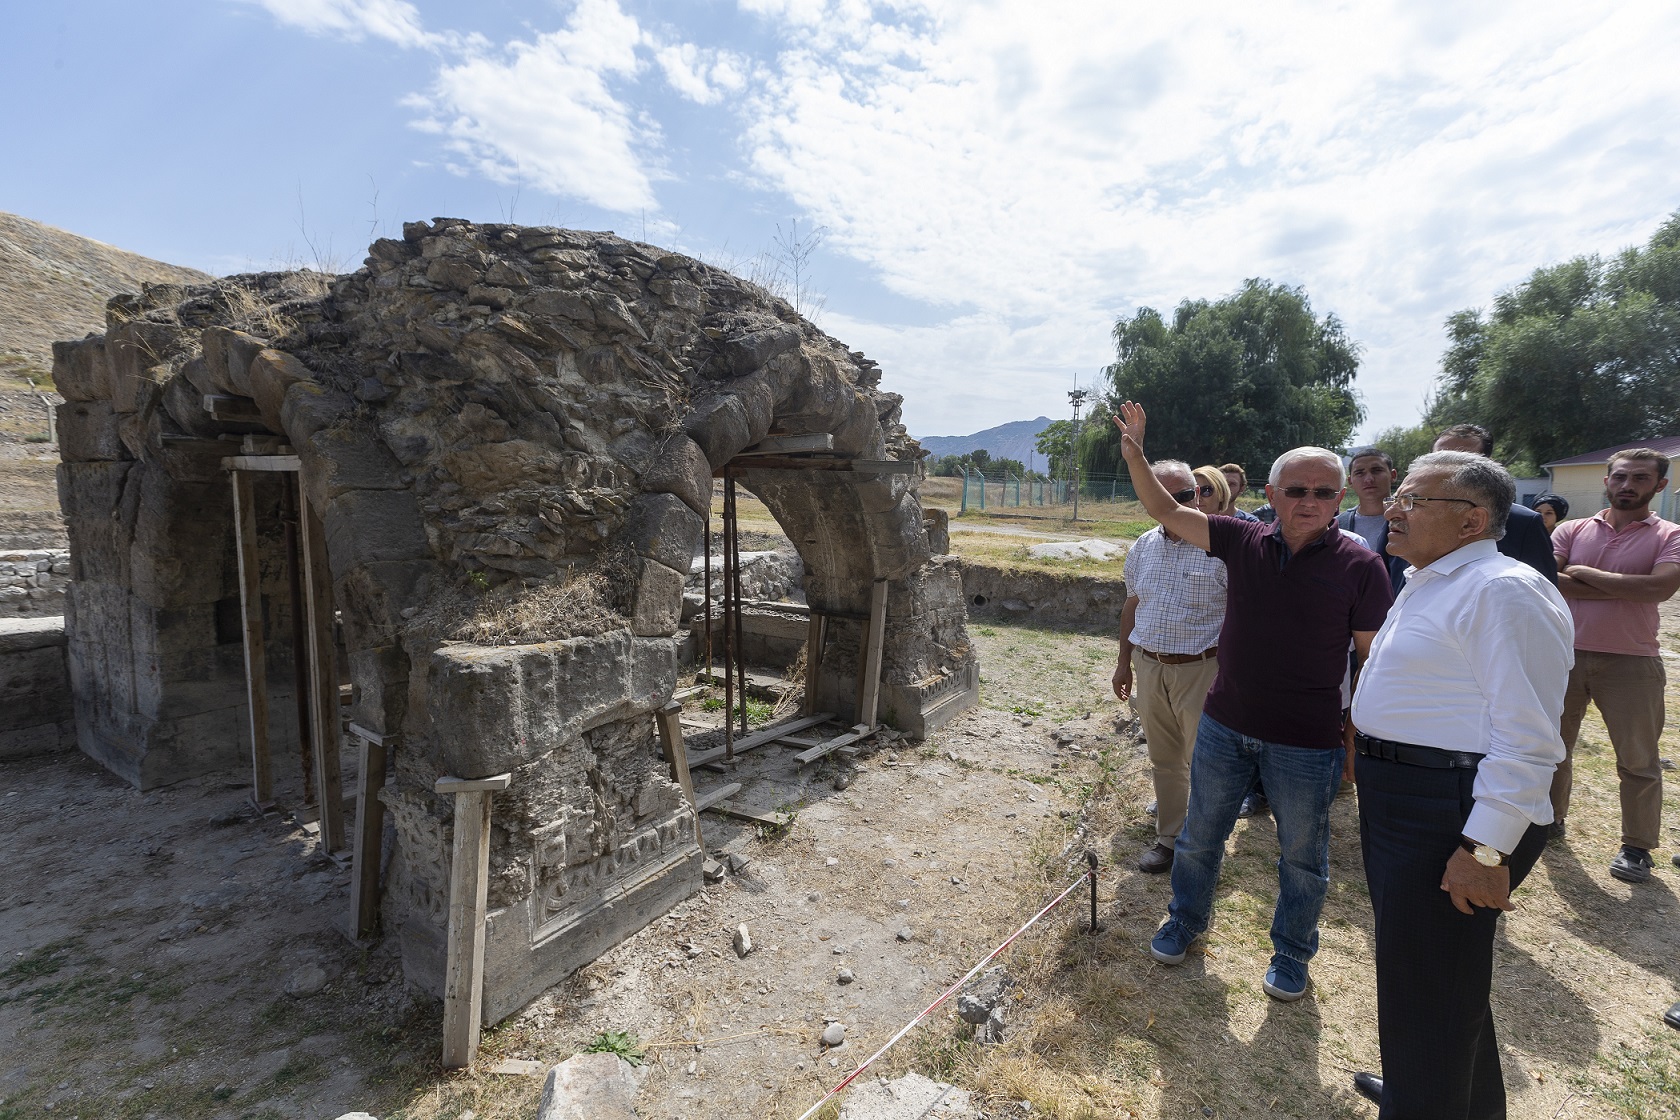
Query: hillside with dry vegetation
[53,285]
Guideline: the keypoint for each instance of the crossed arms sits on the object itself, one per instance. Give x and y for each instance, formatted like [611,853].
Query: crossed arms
[1577,581]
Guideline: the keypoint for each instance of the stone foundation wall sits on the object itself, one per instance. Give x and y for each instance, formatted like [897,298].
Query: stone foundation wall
[36,713]
[1071,602]
[33,582]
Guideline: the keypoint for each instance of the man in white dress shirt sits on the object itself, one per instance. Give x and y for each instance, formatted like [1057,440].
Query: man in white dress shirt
[1457,716]
[1175,605]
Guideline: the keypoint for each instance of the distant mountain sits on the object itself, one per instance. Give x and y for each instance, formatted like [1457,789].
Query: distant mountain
[1006,441]
[53,285]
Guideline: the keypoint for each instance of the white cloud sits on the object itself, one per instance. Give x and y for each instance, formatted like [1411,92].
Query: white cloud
[544,112]
[394,20]
[1052,166]
[702,76]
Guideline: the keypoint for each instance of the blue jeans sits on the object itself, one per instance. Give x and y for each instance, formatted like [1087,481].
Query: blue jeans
[1300,782]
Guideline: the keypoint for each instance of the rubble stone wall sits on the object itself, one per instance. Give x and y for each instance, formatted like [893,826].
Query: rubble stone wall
[33,581]
[510,436]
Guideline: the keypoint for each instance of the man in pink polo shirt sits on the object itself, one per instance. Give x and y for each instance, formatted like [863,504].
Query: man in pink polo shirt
[1614,568]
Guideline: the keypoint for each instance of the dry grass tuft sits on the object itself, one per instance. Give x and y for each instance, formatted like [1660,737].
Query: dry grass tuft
[580,605]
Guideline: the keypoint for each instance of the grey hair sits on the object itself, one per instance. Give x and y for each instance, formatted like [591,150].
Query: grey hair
[1173,466]
[1477,477]
[1302,454]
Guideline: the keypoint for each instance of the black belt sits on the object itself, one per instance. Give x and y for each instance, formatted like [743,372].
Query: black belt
[1180,658]
[1433,757]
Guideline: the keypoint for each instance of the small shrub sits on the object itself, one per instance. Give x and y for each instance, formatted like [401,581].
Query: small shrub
[622,1043]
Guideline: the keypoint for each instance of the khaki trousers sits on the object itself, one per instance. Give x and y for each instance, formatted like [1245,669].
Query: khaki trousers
[1169,701]
[1628,691]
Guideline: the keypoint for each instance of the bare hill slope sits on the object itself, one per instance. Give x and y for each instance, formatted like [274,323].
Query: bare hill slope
[53,285]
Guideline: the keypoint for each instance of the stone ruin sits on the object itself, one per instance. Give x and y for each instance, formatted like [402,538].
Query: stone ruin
[501,443]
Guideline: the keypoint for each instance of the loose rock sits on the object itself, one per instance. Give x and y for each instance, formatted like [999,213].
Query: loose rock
[834,1034]
[589,1087]
[742,941]
[844,976]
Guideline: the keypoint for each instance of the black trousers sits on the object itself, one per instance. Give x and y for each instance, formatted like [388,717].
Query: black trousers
[1434,964]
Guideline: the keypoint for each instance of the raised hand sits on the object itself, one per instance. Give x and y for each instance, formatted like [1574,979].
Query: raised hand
[1131,422]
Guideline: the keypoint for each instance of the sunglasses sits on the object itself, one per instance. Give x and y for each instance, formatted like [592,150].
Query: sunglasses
[1183,496]
[1322,493]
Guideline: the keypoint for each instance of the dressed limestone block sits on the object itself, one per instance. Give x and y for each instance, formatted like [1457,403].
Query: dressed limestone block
[344,459]
[680,468]
[308,408]
[662,527]
[183,542]
[658,599]
[99,510]
[372,597]
[183,402]
[81,370]
[493,708]
[720,425]
[228,355]
[747,352]
[34,680]
[87,432]
[139,352]
[372,527]
[379,694]
[270,375]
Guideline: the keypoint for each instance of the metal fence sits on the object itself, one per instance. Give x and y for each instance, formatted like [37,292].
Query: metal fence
[980,492]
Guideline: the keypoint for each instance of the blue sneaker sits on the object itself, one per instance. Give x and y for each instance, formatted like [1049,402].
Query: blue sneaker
[1170,942]
[1286,980]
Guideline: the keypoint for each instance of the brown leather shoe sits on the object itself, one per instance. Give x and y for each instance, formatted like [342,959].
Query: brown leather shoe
[1156,860]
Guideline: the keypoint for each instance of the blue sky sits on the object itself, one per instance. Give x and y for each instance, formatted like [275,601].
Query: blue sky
[997,182]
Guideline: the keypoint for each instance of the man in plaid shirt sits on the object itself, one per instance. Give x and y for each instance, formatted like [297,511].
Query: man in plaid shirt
[1175,605]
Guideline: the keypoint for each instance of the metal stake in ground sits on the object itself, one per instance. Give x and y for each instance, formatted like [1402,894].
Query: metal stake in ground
[1091,862]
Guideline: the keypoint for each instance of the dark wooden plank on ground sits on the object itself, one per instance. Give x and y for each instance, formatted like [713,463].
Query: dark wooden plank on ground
[858,731]
[759,738]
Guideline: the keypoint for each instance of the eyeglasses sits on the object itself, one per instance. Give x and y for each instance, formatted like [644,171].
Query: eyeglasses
[1322,493]
[1405,502]
[1184,497]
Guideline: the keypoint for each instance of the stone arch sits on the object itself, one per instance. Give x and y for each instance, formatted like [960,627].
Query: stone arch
[485,416]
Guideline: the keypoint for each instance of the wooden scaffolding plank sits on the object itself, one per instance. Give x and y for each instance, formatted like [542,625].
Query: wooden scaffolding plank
[711,797]
[858,731]
[370,833]
[869,673]
[323,676]
[772,819]
[759,738]
[676,757]
[251,626]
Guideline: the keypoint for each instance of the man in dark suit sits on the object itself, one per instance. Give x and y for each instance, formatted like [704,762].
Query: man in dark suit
[1525,536]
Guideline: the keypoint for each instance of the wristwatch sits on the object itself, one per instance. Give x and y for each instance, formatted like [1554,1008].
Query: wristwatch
[1485,854]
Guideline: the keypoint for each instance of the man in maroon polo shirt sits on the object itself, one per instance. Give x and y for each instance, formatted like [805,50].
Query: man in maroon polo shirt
[1299,591]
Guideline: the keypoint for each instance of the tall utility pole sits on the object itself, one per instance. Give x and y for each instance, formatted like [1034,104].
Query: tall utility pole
[1077,398]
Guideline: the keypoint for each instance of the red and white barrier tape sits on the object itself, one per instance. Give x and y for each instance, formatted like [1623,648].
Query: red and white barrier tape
[947,994]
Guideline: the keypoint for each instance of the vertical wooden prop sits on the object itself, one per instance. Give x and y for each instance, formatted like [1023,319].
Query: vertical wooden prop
[323,674]
[250,617]
[469,881]
[676,756]
[370,832]
[731,609]
[869,673]
[816,633]
[291,494]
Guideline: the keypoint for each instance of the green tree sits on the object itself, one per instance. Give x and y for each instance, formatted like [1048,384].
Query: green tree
[1580,355]
[1239,379]
[1055,443]
[1406,444]
[1005,468]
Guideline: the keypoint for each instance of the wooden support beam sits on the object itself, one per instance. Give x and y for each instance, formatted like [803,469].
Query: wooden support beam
[883,466]
[759,738]
[789,445]
[251,627]
[469,882]
[771,820]
[816,635]
[717,793]
[261,463]
[323,677]
[676,757]
[370,833]
[869,673]
[858,731]
[232,410]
